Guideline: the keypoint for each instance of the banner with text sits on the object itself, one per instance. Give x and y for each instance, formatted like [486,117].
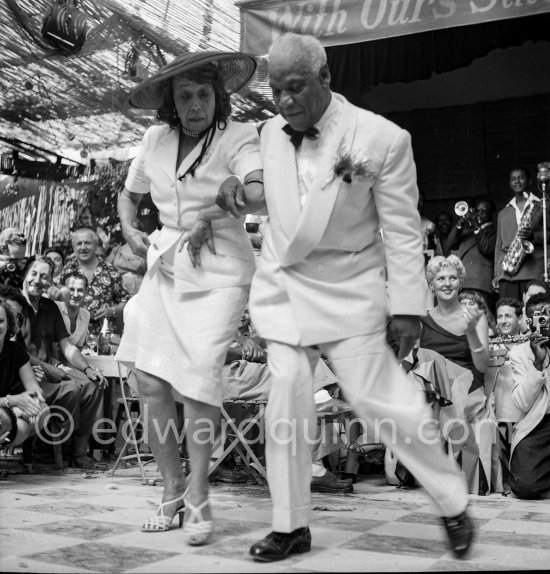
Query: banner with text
[337,22]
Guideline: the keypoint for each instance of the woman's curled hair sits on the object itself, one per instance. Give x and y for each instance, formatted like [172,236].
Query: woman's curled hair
[12,325]
[438,263]
[208,74]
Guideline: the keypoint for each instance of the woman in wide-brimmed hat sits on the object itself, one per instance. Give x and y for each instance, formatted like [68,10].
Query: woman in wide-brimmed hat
[177,335]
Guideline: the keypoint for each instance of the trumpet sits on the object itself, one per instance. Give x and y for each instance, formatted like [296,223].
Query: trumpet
[465,212]
[461,208]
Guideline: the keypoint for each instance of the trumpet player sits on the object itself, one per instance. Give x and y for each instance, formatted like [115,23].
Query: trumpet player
[519,255]
[475,245]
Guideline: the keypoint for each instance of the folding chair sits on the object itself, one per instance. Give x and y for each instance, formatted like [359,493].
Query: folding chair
[238,439]
[129,407]
[241,444]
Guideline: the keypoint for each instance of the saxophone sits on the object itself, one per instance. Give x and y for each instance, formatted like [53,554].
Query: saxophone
[519,247]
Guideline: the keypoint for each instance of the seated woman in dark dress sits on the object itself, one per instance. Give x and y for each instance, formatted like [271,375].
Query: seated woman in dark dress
[22,404]
[459,333]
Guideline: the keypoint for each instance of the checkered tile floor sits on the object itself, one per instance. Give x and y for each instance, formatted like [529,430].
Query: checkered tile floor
[78,522]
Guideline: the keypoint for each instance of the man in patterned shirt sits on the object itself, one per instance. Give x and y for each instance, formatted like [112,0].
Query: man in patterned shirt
[106,295]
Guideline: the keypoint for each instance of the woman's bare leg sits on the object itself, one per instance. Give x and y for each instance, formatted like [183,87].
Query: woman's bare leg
[202,420]
[162,435]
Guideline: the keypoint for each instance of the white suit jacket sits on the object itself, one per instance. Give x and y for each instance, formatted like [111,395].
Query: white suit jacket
[530,392]
[321,273]
[234,150]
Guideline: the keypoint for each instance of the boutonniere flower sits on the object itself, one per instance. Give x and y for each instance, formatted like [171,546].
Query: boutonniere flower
[352,165]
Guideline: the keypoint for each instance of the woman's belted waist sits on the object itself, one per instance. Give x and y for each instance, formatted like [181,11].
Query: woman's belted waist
[230,241]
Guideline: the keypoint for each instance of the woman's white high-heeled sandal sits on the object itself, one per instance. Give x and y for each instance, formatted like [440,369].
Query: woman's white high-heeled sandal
[162,523]
[196,530]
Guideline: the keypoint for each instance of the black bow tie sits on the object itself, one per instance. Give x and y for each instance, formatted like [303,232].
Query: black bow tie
[296,137]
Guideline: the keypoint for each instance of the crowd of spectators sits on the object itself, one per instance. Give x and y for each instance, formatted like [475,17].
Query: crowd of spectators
[483,329]
[482,243]
[53,302]
[508,360]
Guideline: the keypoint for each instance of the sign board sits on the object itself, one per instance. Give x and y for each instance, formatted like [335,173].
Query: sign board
[337,22]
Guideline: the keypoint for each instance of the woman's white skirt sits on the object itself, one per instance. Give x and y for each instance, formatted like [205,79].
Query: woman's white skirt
[182,338]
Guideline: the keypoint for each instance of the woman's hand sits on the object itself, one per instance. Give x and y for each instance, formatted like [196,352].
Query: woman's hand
[200,233]
[39,373]
[138,241]
[28,403]
[128,203]
[471,316]
[37,394]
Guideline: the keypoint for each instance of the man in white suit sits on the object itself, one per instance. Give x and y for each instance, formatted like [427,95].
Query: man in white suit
[320,287]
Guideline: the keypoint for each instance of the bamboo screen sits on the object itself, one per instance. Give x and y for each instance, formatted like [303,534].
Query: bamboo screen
[45,218]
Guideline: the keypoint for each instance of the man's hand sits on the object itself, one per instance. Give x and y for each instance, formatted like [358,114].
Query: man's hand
[538,344]
[252,352]
[406,330]
[494,284]
[231,196]
[525,233]
[108,312]
[97,378]
[138,241]
[200,233]
[256,241]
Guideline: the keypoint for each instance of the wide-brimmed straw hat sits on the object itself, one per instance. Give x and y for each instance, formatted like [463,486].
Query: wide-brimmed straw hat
[236,68]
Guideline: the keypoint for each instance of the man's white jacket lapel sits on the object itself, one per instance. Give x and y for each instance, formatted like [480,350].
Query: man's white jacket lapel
[301,229]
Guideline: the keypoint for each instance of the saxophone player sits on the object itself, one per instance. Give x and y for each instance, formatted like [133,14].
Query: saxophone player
[519,243]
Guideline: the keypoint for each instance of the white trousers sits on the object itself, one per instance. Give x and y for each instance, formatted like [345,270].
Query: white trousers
[394,410]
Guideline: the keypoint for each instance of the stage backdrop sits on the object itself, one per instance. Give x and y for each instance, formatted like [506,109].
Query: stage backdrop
[464,146]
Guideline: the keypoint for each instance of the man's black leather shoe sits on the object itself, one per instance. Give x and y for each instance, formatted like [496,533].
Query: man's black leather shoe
[460,531]
[331,483]
[278,545]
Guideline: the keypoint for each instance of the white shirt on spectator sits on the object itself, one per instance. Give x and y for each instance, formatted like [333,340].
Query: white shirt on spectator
[78,336]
